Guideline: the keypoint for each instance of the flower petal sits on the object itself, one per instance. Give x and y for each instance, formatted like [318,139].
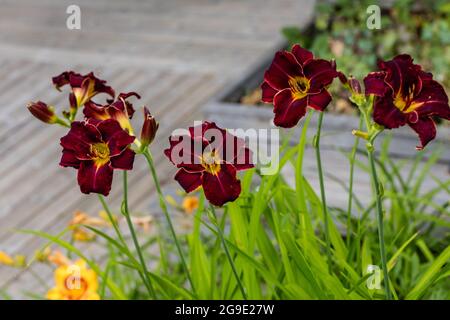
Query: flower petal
[319,101]
[69,159]
[320,74]
[222,187]
[189,181]
[243,160]
[62,79]
[301,54]
[402,75]
[79,139]
[113,134]
[283,67]
[95,111]
[267,92]
[287,110]
[386,114]
[95,179]
[185,152]
[426,129]
[434,99]
[374,84]
[124,160]
[100,86]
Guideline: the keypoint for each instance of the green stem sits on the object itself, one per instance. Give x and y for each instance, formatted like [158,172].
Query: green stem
[350,187]
[126,213]
[379,208]
[163,206]
[366,108]
[111,219]
[322,190]
[227,252]
[63,123]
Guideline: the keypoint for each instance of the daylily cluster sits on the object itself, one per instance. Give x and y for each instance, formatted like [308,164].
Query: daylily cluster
[402,93]
[102,142]
[105,141]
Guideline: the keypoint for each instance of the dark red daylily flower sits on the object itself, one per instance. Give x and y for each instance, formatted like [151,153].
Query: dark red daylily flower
[84,87]
[295,81]
[209,156]
[405,94]
[96,149]
[120,110]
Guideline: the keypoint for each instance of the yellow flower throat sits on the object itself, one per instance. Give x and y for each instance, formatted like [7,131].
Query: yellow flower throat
[211,162]
[100,153]
[299,87]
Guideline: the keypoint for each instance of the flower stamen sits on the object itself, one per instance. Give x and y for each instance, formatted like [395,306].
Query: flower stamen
[211,162]
[299,87]
[100,153]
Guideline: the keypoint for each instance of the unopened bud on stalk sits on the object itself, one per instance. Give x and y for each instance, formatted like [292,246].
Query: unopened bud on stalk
[361,134]
[42,112]
[149,128]
[354,85]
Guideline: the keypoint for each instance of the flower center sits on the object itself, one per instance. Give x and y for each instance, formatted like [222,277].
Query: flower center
[76,287]
[100,153]
[405,103]
[211,162]
[299,87]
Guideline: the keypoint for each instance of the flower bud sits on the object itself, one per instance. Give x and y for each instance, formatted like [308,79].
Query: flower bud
[42,111]
[149,128]
[343,78]
[360,134]
[355,86]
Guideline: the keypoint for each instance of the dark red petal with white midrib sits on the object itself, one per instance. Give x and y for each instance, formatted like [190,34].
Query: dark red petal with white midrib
[80,138]
[426,129]
[189,181]
[69,159]
[123,161]
[434,100]
[320,74]
[288,111]
[283,67]
[388,115]
[374,84]
[222,187]
[96,179]
[267,92]
[319,101]
[301,54]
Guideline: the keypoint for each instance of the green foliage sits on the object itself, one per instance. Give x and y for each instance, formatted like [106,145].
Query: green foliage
[275,237]
[420,28]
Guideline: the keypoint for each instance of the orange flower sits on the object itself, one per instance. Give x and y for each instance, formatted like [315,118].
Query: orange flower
[81,218]
[190,204]
[57,258]
[74,282]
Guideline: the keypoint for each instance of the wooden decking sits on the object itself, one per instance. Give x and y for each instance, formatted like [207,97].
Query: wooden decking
[177,54]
